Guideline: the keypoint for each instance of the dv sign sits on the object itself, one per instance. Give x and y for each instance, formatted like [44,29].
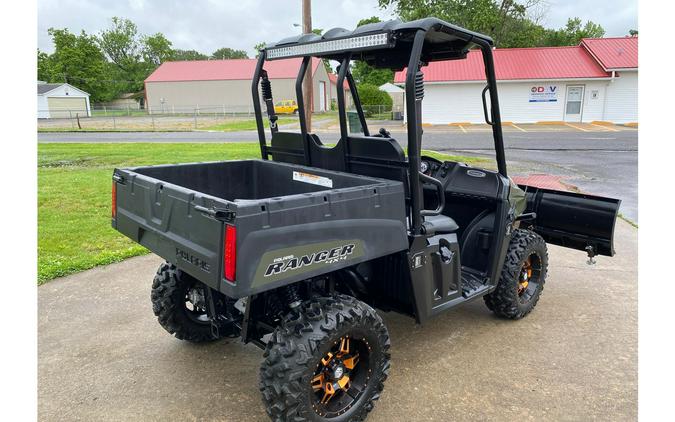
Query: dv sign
[544,94]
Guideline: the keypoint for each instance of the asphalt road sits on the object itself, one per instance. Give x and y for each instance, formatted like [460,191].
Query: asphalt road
[102,356]
[601,162]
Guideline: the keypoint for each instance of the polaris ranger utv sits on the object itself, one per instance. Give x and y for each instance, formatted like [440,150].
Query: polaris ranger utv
[293,252]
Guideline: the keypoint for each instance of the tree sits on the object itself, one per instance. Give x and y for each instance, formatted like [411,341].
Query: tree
[225,53]
[44,66]
[573,33]
[123,47]
[185,55]
[156,49]
[259,47]
[633,32]
[363,73]
[511,23]
[78,60]
[371,96]
[486,16]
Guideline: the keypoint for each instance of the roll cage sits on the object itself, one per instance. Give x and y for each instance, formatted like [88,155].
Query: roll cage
[392,45]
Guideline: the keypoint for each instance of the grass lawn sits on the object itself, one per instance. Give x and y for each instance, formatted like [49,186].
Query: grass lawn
[248,124]
[120,113]
[74,182]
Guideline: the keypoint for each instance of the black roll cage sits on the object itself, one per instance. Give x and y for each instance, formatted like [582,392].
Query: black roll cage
[412,99]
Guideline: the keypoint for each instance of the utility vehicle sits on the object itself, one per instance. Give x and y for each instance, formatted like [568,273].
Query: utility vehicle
[294,251]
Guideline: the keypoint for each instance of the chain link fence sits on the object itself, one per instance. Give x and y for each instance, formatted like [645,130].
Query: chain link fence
[177,118]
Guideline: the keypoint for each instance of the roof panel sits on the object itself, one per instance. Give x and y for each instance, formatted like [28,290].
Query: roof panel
[44,88]
[218,70]
[515,64]
[614,53]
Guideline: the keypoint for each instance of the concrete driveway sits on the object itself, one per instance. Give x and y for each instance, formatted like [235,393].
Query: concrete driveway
[103,356]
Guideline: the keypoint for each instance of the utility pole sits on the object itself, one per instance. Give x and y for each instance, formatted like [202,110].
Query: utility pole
[307,86]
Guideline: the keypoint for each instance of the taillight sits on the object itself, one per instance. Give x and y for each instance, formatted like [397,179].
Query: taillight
[114,199]
[230,253]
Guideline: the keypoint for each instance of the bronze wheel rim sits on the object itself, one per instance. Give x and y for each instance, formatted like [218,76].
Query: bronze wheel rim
[341,377]
[529,277]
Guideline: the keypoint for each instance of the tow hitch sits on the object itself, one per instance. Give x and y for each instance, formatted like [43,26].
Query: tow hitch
[591,255]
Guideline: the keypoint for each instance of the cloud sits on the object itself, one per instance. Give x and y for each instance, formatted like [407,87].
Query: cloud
[207,25]
[204,25]
[617,17]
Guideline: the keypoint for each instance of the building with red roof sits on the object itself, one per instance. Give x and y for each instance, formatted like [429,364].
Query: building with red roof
[593,81]
[333,90]
[225,85]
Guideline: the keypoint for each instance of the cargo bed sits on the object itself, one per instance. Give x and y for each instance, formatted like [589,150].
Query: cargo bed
[276,223]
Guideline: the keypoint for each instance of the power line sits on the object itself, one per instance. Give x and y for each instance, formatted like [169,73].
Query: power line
[70,77]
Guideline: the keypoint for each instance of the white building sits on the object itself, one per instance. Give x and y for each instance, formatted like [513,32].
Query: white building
[61,101]
[594,81]
[397,95]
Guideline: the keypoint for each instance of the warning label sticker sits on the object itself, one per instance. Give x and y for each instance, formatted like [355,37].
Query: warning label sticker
[312,179]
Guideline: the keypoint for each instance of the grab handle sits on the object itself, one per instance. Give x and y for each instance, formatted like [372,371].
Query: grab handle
[485,111]
[441,194]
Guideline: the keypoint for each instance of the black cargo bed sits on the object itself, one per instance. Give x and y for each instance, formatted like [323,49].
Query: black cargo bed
[281,212]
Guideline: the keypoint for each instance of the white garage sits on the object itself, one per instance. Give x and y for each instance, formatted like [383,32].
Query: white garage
[61,101]
[594,81]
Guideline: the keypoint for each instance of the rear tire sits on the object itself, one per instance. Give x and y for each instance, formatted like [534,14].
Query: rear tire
[169,303]
[296,356]
[518,291]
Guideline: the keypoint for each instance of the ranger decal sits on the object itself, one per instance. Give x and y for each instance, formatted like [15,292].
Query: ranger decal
[303,260]
[283,264]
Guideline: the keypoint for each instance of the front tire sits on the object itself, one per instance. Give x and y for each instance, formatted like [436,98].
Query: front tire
[327,361]
[522,278]
[177,304]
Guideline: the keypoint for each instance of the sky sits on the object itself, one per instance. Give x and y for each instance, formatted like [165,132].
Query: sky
[206,25]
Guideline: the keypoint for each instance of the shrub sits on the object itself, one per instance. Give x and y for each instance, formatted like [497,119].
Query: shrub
[371,97]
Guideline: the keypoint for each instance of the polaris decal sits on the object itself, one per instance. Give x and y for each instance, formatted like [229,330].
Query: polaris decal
[281,265]
[194,260]
[300,260]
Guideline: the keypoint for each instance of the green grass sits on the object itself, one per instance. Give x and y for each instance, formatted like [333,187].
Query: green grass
[85,129]
[246,124]
[478,161]
[74,182]
[118,113]
[624,218]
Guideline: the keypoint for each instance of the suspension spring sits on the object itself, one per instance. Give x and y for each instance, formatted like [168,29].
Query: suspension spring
[292,296]
[266,88]
[419,85]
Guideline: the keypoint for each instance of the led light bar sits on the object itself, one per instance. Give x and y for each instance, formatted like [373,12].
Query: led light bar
[331,46]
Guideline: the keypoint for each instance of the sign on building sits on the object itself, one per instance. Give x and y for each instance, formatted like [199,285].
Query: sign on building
[544,94]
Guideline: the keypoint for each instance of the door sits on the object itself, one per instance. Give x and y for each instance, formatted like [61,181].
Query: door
[66,107]
[322,96]
[574,103]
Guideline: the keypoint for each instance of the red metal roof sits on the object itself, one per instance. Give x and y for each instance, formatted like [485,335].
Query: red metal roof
[333,80]
[517,63]
[217,70]
[614,53]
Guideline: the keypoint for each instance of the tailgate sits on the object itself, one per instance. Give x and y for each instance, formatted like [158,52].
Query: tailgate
[574,220]
[171,221]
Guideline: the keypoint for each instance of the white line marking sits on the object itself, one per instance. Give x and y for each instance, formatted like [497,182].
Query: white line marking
[518,127]
[462,127]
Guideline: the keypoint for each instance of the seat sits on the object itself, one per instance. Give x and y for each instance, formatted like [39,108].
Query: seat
[439,224]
